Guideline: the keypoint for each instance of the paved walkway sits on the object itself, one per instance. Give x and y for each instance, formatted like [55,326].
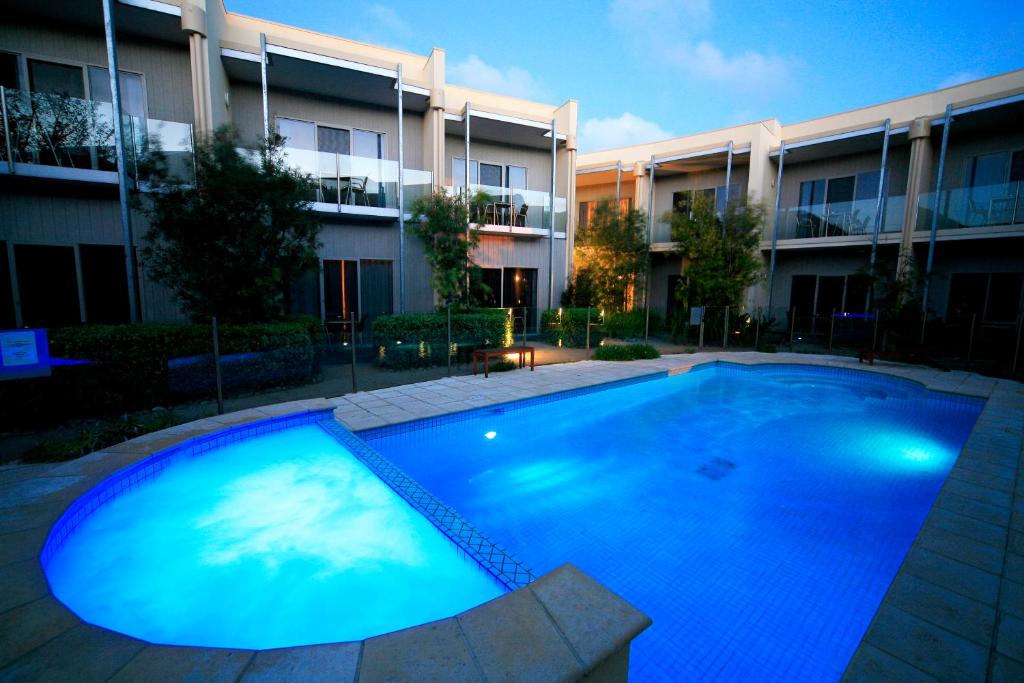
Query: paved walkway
[955,610]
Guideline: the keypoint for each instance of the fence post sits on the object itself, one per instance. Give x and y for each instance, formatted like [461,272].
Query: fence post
[216,366]
[924,323]
[725,330]
[792,327]
[352,342]
[831,329]
[700,330]
[588,332]
[970,340]
[449,347]
[757,332]
[874,333]
[524,327]
[1016,347]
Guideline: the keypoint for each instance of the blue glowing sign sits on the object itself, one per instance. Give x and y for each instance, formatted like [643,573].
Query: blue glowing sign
[24,353]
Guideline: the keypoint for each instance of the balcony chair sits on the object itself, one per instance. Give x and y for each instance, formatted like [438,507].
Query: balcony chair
[520,216]
[354,188]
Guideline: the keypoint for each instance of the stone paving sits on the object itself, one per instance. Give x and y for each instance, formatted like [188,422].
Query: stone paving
[955,610]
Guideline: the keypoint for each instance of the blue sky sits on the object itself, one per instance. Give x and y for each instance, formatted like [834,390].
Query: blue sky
[647,69]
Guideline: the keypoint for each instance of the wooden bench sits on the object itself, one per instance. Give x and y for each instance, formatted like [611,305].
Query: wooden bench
[487,354]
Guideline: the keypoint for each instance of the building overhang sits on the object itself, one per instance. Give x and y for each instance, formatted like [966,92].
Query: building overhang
[316,74]
[146,19]
[504,128]
[842,143]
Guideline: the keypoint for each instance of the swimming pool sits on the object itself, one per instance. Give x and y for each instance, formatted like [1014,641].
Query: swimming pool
[277,538]
[757,514]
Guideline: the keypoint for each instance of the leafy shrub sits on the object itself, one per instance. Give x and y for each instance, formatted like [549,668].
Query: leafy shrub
[503,365]
[132,367]
[631,324]
[569,328]
[626,352]
[100,434]
[420,339]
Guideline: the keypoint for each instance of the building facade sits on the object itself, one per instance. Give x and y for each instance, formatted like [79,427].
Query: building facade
[932,183]
[374,127]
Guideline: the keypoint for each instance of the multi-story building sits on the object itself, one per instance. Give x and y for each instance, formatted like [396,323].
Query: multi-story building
[935,179]
[375,127]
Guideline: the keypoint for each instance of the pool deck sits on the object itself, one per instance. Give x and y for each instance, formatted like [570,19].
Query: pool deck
[955,610]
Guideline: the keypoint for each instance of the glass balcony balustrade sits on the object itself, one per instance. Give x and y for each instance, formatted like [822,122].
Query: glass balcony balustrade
[973,207]
[515,208]
[45,129]
[343,180]
[838,219]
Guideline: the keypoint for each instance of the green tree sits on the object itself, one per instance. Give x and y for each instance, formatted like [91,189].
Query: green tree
[442,226]
[232,242]
[721,259]
[612,256]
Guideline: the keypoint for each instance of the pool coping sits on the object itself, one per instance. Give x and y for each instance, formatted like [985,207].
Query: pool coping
[954,609]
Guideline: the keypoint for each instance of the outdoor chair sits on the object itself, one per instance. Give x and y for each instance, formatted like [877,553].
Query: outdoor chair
[354,188]
[520,218]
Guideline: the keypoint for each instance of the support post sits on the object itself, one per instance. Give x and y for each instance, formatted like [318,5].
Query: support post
[401,198]
[352,343]
[728,181]
[831,330]
[449,347]
[970,340]
[874,333]
[216,366]
[551,220]
[792,327]
[1016,347]
[122,161]
[725,330]
[588,332]
[618,184]
[879,204]
[650,237]
[775,229]
[263,83]
[467,115]
[935,210]
[700,330]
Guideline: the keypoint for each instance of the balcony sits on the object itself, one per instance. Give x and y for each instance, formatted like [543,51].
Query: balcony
[522,213]
[66,138]
[982,206]
[357,186]
[854,220]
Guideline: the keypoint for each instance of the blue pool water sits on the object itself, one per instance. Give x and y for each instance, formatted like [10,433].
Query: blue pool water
[757,515]
[281,539]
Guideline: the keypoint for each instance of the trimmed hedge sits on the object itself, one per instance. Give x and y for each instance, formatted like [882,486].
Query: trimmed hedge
[133,367]
[570,327]
[420,339]
[631,324]
[626,352]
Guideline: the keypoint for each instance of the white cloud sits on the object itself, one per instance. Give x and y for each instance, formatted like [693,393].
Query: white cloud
[628,129]
[382,25]
[670,32]
[513,81]
[959,78]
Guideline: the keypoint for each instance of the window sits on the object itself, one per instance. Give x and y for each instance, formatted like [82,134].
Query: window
[367,144]
[341,289]
[47,285]
[682,202]
[584,215]
[490,174]
[8,70]
[133,97]
[59,79]
[333,140]
[459,172]
[515,177]
[1004,304]
[377,288]
[519,289]
[104,283]
[992,297]
[490,291]
[298,134]
[722,199]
